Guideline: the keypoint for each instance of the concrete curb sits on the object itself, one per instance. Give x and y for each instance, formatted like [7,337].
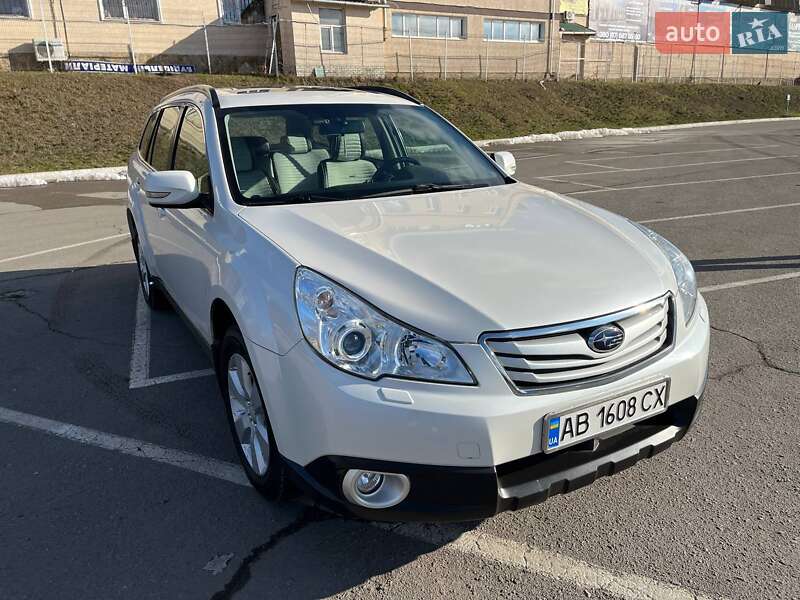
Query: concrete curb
[562,136]
[43,178]
[119,173]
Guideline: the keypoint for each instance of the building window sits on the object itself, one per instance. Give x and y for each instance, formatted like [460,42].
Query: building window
[428,26]
[138,10]
[243,11]
[331,30]
[497,30]
[15,8]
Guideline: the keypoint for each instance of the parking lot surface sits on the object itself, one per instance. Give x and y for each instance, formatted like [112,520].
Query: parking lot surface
[118,474]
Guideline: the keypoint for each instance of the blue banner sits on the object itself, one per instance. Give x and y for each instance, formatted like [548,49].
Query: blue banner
[759,33]
[99,66]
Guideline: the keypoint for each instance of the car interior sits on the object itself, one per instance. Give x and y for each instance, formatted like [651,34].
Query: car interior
[280,152]
[321,156]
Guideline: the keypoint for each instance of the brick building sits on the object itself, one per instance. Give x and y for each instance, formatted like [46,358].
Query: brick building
[487,38]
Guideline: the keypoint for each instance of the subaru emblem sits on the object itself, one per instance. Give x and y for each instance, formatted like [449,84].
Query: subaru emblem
[605,338]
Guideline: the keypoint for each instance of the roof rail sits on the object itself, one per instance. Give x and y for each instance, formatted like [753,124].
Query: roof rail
[202,89]
[382,89]
[291,88]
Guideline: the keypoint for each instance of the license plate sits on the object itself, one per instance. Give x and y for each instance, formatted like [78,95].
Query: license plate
[580,424]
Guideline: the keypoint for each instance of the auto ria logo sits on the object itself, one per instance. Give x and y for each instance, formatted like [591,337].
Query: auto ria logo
[713,32]
[759,32]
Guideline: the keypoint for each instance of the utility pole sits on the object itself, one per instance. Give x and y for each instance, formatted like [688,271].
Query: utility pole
[694,46]
[127,16]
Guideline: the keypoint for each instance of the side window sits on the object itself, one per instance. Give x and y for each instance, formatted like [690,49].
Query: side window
[190,150]
[418,137]
[429,145]
[161,159]
[147,135]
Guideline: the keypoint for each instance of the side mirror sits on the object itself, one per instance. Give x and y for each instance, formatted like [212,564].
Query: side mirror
[171,189]
[506,161]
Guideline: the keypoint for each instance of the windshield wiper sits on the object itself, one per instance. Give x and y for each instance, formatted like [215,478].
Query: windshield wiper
[300,197]
[426,188]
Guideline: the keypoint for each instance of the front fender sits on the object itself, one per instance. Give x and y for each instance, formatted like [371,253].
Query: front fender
[257,284]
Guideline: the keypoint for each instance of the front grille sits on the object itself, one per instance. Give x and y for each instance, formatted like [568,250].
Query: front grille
[558,357]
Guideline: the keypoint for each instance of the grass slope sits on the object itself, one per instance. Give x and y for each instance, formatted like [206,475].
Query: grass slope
[72,120]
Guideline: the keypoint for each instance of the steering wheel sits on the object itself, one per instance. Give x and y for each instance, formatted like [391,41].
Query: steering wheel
[384,174]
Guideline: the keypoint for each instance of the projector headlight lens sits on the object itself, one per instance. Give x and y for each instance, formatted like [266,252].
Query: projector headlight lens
[355,337]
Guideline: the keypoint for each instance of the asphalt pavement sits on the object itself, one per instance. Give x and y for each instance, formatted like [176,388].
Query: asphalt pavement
[117,469]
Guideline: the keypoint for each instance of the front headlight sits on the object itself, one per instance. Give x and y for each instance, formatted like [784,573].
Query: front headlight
[684,272]
[355,337]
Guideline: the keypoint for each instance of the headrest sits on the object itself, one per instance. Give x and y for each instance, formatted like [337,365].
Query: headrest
[296,144]
[258,145]
[242,157]
[348,147]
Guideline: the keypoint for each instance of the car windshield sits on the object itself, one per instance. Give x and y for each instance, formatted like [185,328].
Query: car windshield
[328,152]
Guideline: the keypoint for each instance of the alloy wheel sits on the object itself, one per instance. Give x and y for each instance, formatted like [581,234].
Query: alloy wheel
[249,415]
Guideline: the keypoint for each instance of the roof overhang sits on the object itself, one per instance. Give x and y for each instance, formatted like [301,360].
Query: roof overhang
[565,27]
[351,3]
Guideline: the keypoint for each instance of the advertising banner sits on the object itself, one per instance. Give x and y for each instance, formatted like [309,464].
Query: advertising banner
[759,33]
[620,20]
[579,7]
[743,32]
[794,32]
[635,20]
[692,32]
[99,66]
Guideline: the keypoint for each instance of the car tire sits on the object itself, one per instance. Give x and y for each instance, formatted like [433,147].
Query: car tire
[247,418]
[153,296]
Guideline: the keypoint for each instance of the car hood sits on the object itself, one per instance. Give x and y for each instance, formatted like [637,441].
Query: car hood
[456,264]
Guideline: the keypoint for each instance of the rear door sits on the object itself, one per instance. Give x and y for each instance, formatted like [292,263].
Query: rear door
[160,159]
[138,167]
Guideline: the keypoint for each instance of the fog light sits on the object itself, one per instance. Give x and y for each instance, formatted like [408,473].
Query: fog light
[375,490]
[367,483]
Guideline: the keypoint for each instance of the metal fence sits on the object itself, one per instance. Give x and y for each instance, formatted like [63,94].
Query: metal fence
[644,62]
[283,47]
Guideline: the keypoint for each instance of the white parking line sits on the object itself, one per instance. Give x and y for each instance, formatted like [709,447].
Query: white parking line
[588,164]
[677,183]
[536,156]
[721,212]
[558,566]
[521,556]
[607,171]
[60,248]
[140,353]
[174,377]
[747,282]
[140,349]
[125,445]
[736,149]
[589,185]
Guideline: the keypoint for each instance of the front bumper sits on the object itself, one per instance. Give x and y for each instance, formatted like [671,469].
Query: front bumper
[469,451]
[472,493]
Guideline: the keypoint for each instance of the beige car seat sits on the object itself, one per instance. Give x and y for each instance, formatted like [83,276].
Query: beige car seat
[348,166]
[295,166]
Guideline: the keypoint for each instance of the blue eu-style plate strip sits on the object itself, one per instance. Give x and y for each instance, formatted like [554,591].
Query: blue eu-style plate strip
[553,434]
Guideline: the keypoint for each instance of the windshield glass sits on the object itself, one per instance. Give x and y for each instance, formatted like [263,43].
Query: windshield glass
[327,152]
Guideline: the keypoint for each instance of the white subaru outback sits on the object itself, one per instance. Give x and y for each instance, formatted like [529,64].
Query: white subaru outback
[397,324]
